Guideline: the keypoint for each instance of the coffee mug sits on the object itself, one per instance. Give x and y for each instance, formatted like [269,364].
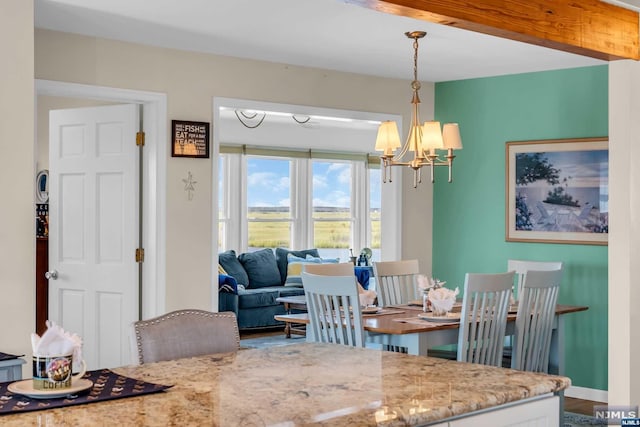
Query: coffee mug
[54,372]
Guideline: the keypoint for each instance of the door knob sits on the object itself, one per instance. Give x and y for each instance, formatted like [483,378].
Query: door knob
[51,275]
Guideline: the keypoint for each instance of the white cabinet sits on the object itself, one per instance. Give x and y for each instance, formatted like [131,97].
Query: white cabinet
[534,413]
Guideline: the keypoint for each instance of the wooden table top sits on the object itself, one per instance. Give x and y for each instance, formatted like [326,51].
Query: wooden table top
[399,323]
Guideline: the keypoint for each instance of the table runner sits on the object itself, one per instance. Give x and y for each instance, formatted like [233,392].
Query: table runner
[7,356]
[382,312]
[419,321]
[107,385]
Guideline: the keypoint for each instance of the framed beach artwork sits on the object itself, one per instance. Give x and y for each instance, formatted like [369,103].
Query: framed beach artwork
[557,191]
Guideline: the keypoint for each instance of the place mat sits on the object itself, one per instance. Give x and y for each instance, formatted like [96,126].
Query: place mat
[7,356]
[107,385]
[382,312]
[418,321]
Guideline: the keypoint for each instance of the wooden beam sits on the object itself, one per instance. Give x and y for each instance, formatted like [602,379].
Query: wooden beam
[585,27]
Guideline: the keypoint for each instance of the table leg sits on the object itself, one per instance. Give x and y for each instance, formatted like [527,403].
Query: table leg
[287,325]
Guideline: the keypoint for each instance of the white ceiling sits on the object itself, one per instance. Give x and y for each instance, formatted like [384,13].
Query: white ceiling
[327,34]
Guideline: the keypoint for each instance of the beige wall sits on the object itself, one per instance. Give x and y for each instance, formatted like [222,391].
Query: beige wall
[17,177]
[191,80]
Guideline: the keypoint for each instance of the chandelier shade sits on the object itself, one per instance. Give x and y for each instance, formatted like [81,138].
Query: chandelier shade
[423,139]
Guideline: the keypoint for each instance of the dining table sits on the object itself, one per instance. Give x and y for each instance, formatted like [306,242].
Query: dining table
[301,385]
[403,326]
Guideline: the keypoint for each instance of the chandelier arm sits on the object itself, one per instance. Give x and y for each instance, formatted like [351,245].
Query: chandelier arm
[246,117]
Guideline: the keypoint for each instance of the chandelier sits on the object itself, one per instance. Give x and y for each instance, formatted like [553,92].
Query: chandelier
[423,139]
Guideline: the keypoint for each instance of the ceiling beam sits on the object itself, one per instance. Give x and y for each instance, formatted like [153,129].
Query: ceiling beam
[585,27]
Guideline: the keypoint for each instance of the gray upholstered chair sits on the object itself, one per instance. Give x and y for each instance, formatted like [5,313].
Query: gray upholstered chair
[185,333]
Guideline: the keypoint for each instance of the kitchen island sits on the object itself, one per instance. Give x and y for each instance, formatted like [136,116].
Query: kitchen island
[318,384]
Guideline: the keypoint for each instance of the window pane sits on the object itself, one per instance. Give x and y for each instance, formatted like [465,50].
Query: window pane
[374,212]
[331,189]
[268,202]
[332,225]
[269,235]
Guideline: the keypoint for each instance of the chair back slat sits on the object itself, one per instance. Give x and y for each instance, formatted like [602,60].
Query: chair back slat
[534,323]
[334,309]
[522,266]
[483,320]
[396,283]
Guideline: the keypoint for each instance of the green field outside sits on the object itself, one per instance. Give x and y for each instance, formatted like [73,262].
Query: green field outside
[330,234]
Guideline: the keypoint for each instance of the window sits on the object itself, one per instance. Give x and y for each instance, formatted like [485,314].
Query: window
[268,191]
[298,200]
[331,207]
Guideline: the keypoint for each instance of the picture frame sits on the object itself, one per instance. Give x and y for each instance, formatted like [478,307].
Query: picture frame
[189,139]
[557,191]
[42,186]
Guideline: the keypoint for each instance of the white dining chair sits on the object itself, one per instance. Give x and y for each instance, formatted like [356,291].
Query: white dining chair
[522,266]
[483,320]
[334,309]
[396,281]
[534,322]
[185,333]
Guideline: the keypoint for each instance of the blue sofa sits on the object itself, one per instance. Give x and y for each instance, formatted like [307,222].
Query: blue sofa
[260,278]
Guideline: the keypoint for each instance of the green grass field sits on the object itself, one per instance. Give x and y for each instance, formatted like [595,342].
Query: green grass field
[332,232]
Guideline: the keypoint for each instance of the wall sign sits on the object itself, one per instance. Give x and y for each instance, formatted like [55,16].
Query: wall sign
[189,139]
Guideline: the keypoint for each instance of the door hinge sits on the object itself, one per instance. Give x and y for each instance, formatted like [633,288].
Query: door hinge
[140,138]
[140,255]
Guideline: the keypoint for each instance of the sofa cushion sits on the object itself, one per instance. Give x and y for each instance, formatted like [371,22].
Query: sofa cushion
[232,266]
[261,267]
[296,266]
[281,259]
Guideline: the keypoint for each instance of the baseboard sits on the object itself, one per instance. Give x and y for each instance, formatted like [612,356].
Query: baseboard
[587,394]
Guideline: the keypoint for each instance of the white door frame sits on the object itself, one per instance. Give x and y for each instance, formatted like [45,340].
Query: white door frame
[155,177]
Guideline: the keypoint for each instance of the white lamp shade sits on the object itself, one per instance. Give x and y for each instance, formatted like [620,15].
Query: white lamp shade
[451,136]
[388,137]
[431,135]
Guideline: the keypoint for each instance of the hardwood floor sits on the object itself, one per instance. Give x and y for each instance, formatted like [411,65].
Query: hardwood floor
[578,406]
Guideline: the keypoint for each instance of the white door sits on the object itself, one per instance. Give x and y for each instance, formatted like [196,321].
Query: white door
[93,228]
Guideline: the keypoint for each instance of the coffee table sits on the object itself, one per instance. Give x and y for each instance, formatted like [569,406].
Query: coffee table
[296,302]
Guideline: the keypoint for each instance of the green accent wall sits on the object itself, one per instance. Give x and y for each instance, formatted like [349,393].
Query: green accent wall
[469,214]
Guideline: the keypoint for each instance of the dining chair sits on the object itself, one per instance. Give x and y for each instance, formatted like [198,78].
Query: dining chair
[331,269]
[185,333]
[396,281]
[522,266]
[483,320]
[534,322]
[334,309]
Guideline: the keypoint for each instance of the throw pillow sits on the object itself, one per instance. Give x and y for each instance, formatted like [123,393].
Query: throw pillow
[323,260]
[295,266]
[261,267]
[281,259]
[232,266]
[221,270]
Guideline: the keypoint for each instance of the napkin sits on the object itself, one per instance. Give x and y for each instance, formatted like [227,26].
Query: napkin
[367,297]
[425,283]
[57,342]
[442,299]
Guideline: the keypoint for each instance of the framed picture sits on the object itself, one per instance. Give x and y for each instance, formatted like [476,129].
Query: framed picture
[189,139]
[557,191]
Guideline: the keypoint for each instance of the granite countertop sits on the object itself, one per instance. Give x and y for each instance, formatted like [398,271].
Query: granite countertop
[304,384]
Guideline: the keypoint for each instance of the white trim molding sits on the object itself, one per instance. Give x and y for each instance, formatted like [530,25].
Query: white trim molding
[155,177]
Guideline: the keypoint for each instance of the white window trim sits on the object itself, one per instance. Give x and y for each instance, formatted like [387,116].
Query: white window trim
[391,197]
